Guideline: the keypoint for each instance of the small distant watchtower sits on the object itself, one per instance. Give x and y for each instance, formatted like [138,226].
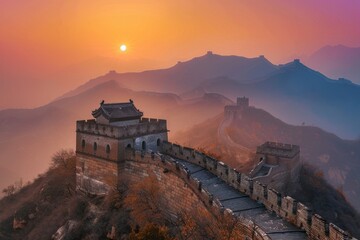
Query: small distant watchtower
[242,102]
[235,111]
[101,143]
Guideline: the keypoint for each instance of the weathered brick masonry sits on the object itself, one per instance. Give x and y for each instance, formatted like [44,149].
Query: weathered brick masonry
[179,196]
[182,192]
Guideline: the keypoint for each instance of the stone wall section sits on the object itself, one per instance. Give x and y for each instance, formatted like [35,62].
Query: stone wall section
[288,208]
[182,192]
[95,172]
[152,141]
[179,196]
[106,148]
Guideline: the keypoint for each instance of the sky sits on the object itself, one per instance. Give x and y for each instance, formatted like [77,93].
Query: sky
[48,47]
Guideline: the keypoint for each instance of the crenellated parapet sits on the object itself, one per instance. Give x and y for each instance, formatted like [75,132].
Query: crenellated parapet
[145,126]
[286,207]
[278,149]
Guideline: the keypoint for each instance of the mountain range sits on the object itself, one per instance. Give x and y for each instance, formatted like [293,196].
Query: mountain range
[187,94]
[293,92]
[185,76]
[337,62]
[298,94]
[338,160]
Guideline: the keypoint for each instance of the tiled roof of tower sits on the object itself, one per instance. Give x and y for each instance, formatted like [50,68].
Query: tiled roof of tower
[118,111]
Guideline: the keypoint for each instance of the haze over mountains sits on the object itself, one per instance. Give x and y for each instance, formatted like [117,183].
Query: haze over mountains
[185,76]
[29,137]
[186,94]
[293,92]
[298,94]
[337,62]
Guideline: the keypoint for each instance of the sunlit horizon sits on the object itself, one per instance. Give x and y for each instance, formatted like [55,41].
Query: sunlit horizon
[49,48]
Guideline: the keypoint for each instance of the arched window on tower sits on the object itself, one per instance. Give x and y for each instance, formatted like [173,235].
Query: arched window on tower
[107,148]
[83,144]
[129,145]
[158,142]
[143,145]
[95,146]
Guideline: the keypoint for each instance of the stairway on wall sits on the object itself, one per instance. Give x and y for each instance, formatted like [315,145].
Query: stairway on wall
[243,206]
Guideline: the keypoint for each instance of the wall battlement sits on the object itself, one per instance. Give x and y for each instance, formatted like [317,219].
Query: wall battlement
[146,126]
[242,102]
[278,149]
[284,206]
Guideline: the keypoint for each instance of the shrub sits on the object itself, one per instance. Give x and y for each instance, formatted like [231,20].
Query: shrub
[151,231]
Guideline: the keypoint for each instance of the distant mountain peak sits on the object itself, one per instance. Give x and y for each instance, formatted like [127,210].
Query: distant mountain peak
[338,46]
[337,61]
[295,64]
[334,52]
[111,73]
[211,56]
[345,81]
[186,75]
[216,96]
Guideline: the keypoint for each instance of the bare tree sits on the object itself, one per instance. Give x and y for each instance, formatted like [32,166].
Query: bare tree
[63,164]
[64,159]
[9,190]
[13,188]
[146,201]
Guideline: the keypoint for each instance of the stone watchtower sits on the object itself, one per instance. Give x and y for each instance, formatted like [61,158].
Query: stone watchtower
[277,164]
[242,102]
[101,143]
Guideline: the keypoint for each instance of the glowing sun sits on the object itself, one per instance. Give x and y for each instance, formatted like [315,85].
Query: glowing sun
[123,48]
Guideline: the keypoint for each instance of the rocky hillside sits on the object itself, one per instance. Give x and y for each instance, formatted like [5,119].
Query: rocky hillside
[50,208]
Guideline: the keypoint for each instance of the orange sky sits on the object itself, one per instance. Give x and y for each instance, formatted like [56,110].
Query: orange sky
[48,47]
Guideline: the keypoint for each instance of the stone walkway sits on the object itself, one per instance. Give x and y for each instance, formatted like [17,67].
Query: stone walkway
[243,205]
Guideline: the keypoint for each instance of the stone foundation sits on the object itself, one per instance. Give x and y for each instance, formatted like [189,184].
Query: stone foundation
[95,176]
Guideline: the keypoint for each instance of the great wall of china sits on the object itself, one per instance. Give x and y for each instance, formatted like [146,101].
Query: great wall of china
[191,179]
[286,207]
